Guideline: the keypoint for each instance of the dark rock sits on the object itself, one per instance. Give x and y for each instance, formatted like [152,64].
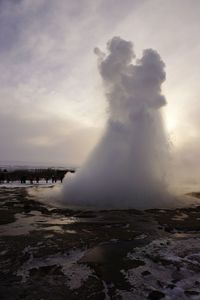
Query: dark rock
[169,228]
[6,217]
[156,295]
[145,273]
[171,286]
[160,284]
[46,270]
[191,293]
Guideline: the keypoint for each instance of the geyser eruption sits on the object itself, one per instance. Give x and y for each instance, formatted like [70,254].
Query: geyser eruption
[127,169]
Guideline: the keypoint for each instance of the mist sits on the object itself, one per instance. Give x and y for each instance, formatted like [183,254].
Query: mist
[128,167]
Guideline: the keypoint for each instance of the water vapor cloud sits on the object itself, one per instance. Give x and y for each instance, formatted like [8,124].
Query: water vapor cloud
[127,169]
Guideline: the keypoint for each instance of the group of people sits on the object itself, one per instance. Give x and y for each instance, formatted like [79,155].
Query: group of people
[31,177]
[37,179]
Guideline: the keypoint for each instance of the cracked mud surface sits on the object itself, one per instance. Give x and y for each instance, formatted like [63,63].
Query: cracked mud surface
[54,253]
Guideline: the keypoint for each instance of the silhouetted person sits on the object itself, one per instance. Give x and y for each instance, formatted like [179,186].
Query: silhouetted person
[23,179]
[2,178]
[61,178]
[37,179]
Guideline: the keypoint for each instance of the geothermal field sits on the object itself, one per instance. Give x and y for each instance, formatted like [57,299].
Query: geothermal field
[114,229]
[49,252]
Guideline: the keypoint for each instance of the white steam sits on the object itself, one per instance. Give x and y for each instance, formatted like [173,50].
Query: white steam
[127,169]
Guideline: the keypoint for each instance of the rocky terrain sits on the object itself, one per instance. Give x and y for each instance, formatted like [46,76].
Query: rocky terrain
[54,253]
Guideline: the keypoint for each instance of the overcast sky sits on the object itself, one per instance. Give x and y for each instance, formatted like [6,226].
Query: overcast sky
[52,107]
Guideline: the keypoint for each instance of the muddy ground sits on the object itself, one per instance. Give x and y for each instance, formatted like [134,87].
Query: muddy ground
[54,253]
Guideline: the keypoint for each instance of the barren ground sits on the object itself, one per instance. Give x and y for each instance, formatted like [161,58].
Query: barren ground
[52,253]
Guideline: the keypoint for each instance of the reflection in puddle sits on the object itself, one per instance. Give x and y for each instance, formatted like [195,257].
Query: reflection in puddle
[71,231]
[25,223]
[54,228]
[141,237]
[186,235]
[180,217]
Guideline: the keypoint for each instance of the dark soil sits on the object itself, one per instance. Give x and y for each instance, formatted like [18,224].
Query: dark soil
[44,251]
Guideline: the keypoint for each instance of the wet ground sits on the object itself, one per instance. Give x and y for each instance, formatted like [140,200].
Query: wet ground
[54,253]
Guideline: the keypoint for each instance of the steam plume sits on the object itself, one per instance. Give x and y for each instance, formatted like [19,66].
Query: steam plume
[127,167]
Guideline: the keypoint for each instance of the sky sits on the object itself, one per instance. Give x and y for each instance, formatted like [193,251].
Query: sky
[52,104]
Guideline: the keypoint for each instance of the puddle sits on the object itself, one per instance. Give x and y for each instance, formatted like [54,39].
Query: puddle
[180,217]
[25,223]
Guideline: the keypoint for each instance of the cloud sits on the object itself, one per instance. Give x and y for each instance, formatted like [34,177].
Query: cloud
[45,74]
[48,140]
